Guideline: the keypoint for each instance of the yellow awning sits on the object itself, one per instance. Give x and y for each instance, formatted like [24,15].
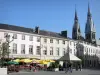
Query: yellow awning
[43,62]
[17,60]
[26,60]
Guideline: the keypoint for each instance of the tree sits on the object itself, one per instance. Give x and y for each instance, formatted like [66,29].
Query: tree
[4,52]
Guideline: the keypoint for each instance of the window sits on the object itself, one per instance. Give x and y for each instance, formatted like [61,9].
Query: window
[63,42]
[5,35]
[38,39]
[45,40]
[57,51]
[74,44]
[74,50]
[14,48]
[15,36]
[84,49]
[30,49]
[91,50]
[70,50]
[51,50]
[57,41]
[64,51]
[23,37]
[38,52]
[70,42]
[96,51]
[87,50]
[51,40]
[31,38]
[45,51]
[22,48]
[74,53]
[93,35]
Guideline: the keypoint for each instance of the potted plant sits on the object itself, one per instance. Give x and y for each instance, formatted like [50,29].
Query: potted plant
[55,66]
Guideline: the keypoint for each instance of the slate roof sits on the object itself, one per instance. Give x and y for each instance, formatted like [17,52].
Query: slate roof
[98,42]
[30,30]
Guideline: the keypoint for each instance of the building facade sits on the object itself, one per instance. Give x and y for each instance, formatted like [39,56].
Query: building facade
[42,44]
[34,43]
[89,48]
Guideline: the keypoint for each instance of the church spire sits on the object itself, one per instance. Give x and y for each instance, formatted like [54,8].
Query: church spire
[76,18]
[76,33]
[89,13]
[89,28]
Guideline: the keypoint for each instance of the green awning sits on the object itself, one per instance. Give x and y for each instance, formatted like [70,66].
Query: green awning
[12,63]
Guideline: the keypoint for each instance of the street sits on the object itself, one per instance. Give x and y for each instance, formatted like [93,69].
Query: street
[83,72]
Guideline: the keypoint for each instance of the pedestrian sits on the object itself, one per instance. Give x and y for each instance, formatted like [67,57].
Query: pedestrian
[80,67]
[67,67]
[30,67]
[76,67]
[70,67]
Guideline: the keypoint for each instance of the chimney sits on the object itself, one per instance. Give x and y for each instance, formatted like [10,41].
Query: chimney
[64,33]
[37,29]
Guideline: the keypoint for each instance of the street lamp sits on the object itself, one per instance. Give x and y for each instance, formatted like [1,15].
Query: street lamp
[77,47]
[41,46]
[8,41]
[68,48]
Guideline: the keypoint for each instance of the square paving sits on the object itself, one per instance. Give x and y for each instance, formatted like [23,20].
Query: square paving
[83,72]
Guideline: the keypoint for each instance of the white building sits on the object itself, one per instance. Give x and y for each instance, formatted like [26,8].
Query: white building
[35,43]
[89,53]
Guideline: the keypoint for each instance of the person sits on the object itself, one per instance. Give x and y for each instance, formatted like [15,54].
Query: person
[67,67]
[70,67]
[76,67]
[30,67]
[64,66]
[80,67]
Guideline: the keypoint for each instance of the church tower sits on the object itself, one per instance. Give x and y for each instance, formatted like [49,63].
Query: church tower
[90,29]
[76,33]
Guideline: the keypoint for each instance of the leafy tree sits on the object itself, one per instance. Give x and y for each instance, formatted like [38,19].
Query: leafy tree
[4,52]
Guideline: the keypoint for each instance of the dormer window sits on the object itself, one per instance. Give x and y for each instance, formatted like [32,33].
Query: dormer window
[51,40]
[15,36]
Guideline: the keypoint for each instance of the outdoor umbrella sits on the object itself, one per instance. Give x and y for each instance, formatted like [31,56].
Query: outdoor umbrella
[52,61]
[17,60]
[43,62]
[12,63]
[26,60]
[35,61]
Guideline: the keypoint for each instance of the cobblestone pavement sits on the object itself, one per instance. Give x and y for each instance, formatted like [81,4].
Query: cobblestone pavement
[83,72]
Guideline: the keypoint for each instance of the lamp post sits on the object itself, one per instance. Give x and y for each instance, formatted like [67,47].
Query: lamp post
[68,51]
[8,41]
[41,46]
[77,47]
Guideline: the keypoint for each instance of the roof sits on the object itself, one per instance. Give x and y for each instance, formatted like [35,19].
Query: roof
[98,42]
[69,56]
[30,30]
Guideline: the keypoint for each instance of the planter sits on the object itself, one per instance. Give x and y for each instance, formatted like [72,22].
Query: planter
[3,71]
[56,69]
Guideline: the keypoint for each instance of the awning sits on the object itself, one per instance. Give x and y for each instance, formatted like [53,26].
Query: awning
[98,55]
[69,57]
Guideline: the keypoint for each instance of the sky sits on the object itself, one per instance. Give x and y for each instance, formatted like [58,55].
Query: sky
[50,15]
